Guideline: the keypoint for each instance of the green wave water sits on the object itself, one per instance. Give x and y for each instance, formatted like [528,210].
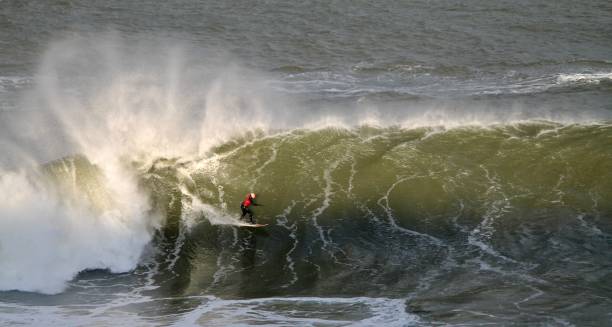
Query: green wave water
[468,224]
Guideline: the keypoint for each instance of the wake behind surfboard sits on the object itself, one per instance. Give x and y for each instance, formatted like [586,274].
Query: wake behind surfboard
[252,225]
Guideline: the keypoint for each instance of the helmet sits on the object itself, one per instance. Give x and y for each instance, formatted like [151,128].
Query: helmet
[252,195]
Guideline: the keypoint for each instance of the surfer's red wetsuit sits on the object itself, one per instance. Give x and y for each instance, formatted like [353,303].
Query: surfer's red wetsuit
[247,201]
[244,206]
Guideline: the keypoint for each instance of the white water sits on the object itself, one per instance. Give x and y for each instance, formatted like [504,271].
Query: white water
[45,238]
[212,311]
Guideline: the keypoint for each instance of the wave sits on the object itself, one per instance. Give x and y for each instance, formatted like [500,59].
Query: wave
[336,199]
[153,145]
[434,83]
[590,78]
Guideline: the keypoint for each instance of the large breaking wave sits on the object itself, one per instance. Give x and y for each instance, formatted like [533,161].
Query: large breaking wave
[122,145]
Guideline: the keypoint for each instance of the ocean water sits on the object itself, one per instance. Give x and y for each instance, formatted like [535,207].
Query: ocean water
[420,163]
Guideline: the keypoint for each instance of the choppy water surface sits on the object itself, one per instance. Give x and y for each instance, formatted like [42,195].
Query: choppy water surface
[419,163]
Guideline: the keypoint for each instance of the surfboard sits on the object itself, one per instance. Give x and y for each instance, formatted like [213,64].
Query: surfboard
[253,225]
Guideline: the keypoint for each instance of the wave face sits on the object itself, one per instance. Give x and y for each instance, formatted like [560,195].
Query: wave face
[389,212]
[446,219]
[421,222]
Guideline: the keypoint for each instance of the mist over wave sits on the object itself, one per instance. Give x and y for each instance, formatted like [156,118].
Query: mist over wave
[115,105]
[104,97]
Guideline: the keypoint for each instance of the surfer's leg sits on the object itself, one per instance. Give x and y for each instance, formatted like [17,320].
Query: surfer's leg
[244,211]
[250,215]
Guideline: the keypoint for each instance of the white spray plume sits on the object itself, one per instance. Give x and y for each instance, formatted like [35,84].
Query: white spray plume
[114,103]
[46,240]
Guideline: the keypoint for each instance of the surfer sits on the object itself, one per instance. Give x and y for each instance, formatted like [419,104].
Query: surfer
[244,206]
